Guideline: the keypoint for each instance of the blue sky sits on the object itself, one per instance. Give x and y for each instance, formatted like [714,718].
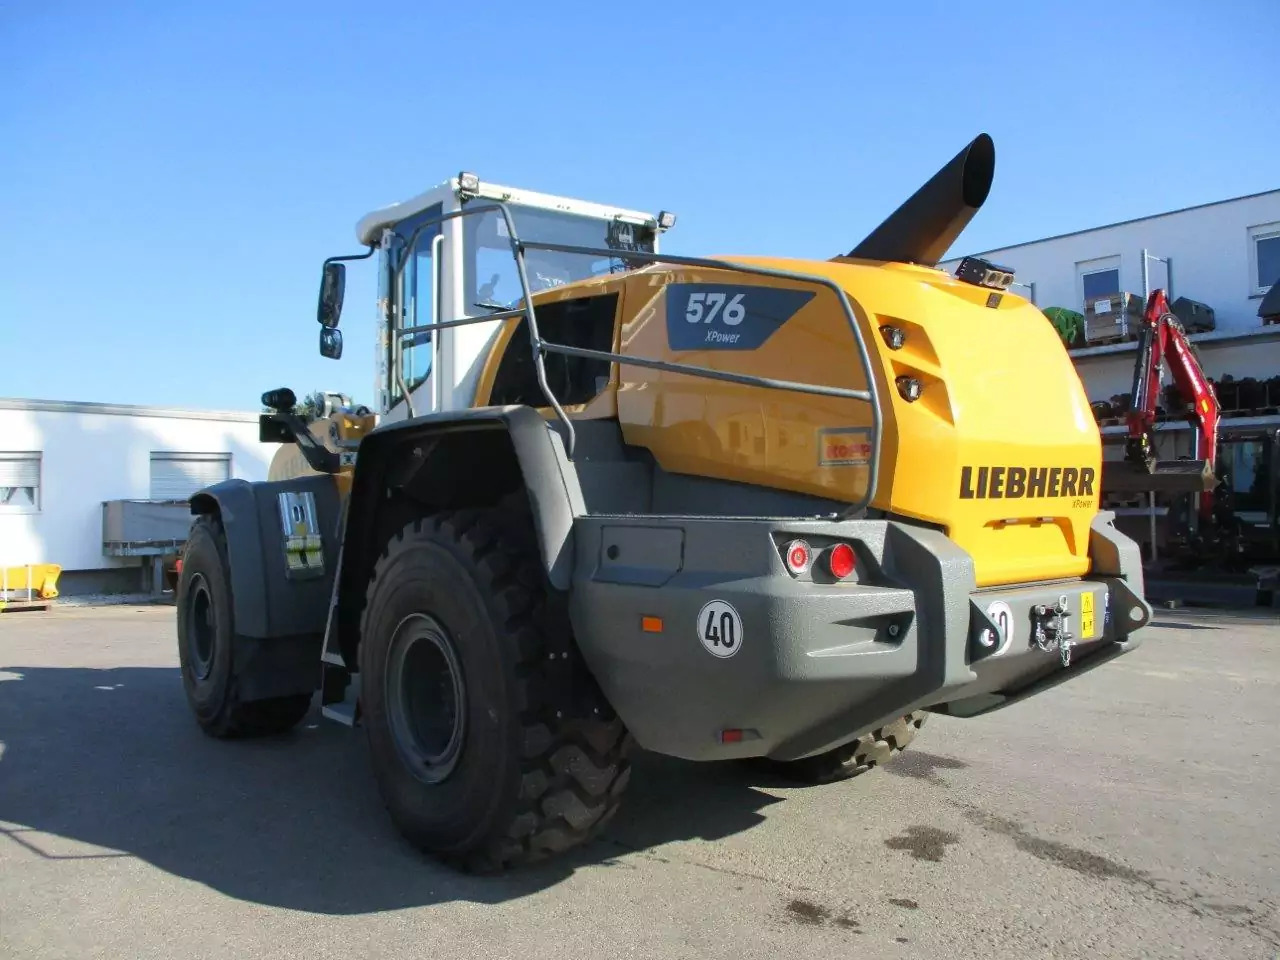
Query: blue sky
[172,175]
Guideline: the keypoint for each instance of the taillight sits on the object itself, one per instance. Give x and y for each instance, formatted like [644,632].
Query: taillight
[841,561]
[798,556]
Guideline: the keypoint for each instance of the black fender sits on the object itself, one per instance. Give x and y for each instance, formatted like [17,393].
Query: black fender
[447,461]
[279,621]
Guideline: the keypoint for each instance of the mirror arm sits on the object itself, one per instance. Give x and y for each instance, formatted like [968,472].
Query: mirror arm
[352,256]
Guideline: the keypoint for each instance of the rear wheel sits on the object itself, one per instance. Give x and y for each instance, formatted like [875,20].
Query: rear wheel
[471,759]
[857,756]
[205,637]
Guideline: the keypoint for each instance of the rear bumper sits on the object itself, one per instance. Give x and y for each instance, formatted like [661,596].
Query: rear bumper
[816,664]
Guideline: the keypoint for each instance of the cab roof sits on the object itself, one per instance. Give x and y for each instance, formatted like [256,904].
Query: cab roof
[369,227]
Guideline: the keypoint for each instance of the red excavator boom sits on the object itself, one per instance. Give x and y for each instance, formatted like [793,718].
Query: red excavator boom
[1163,339]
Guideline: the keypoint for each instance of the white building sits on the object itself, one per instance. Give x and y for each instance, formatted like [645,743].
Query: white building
[61,462]
[1225,255]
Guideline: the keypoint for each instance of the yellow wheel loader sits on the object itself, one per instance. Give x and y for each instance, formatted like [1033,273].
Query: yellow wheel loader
[716,508]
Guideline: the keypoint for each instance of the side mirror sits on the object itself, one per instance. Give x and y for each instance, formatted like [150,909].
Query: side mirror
[331,343]
[332,286]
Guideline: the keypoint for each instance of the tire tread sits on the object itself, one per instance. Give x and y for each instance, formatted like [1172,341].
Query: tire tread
[572,773]
[858,756]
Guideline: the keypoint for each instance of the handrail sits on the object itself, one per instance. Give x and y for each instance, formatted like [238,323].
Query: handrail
[541,347]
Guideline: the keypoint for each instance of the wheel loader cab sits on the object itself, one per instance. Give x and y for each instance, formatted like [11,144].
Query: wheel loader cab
[743,507]
[440,262]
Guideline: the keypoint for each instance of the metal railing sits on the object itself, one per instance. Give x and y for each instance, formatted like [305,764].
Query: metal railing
[541,347]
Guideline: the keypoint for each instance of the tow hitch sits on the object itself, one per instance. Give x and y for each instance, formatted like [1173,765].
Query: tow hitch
[1052,629]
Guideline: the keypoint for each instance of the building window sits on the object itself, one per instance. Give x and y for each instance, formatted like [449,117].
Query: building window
[1100,283]
[19,482]
[177,476]
[1264,257]
[1098,278]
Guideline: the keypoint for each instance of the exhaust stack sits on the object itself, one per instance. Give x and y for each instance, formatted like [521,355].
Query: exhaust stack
[925,226]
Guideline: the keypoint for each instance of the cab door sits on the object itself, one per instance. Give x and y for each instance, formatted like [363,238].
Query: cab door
[409,290]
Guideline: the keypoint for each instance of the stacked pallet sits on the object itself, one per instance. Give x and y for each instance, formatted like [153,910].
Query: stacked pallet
[1117,318]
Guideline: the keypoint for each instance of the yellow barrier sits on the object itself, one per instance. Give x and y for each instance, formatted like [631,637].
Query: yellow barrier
[34,581]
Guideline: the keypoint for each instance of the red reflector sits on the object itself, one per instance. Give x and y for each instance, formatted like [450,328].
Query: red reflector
[798,555]
[177,566]
[841,560]
[730,736]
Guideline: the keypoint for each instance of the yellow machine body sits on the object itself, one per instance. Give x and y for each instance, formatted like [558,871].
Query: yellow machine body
[32,581]
[715,509]
[1000,450]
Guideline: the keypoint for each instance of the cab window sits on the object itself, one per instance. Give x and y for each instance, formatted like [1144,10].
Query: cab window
[413,300]
[490,276]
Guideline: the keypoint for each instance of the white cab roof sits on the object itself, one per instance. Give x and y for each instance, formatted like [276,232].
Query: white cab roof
[369,228]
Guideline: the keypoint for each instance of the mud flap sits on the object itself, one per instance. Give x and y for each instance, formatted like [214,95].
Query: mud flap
[282,548]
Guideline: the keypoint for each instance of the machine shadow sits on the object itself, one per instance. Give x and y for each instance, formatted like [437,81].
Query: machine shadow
[112,761]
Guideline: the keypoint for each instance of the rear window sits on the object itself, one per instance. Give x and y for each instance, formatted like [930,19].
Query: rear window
[582,322]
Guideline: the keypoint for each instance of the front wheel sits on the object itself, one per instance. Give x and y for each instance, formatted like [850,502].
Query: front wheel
[206,633]
[471,759]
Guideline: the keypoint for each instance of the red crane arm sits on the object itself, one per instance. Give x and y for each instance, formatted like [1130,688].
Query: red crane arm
[1146,375]
[1194,386]
[1163,338]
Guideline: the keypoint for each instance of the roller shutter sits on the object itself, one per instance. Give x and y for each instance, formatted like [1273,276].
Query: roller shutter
[19,479]
[176,476]
[19,469]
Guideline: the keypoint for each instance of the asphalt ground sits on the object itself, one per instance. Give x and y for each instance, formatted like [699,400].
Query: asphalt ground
[1131,813]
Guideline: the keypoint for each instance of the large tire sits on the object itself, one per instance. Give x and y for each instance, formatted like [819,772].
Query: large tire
[857,756]
[205,631]
[479,772]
